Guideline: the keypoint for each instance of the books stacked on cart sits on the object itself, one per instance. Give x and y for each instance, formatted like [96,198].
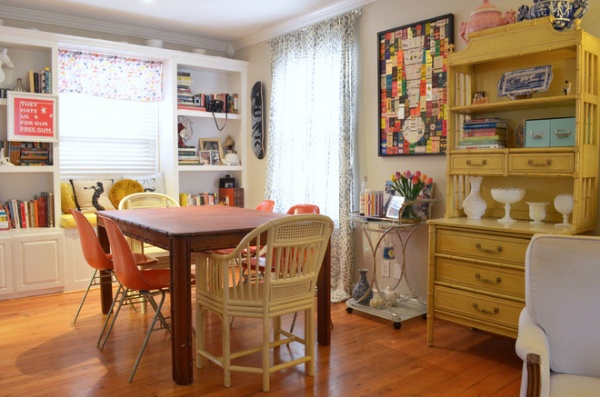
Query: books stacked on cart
[188,156]
[484,134]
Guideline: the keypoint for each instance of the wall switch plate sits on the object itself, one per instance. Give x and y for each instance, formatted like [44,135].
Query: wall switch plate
[397,272]
[385,269]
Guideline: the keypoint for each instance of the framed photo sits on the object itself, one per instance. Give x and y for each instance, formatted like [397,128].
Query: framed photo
[394,206]
[211,144]
[412,87]
[204,157]
[31,117]
[215,157]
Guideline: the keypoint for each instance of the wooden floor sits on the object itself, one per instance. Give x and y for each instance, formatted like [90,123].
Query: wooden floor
[43,354]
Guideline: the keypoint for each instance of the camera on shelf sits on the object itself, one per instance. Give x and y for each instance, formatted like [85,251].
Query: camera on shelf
[215,106]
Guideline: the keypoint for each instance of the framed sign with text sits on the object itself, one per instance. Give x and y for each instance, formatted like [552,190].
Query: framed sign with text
[32,117]
[413,64]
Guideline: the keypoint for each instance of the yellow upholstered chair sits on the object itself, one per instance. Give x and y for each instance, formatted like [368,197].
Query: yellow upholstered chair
[297,245]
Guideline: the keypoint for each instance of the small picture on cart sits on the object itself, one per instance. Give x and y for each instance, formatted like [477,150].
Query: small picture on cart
[394,206]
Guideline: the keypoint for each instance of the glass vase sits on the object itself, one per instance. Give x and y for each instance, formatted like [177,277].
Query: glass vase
[359,293]
[474,205]
[19,87]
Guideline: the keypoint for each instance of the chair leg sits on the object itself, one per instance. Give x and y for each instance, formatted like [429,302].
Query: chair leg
[266,350]
[92,282]
[110,313]
[199,335]
[309,341]
[226,349]
[115,314]
[150,328]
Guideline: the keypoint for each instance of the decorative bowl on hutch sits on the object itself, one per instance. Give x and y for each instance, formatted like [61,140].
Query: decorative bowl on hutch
[485,16]
[565,12]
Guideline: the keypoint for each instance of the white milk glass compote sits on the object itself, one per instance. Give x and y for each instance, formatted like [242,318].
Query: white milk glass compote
[507,196]
[564,204]
[537,212]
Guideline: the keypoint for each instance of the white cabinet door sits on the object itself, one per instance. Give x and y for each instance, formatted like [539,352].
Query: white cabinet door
[6,272]
[38,262]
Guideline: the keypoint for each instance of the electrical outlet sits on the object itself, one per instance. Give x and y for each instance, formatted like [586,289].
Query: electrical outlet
[397,270]
[385,269]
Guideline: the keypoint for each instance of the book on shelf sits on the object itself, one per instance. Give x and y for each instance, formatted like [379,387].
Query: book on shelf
[481,146]
[232,196]
[4,218]
[484,123]
[484,132]
[483,138]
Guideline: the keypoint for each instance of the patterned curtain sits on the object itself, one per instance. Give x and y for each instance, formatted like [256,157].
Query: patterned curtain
[109,76]
[310,146]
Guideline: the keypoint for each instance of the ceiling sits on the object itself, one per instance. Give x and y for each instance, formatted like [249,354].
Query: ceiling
[236,22]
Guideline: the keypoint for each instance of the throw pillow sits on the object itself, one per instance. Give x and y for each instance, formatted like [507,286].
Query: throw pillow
[67,197]
[154,183]
[123,188]
[92,195]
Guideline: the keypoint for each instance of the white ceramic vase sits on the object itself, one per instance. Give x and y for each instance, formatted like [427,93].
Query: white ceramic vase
[537,212]
[474,205]
[564,204]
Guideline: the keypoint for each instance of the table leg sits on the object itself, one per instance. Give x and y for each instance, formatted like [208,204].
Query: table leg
[106,292]
[181,312]
[324,300]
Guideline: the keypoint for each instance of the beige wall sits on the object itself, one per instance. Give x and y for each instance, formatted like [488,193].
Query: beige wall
[378,16]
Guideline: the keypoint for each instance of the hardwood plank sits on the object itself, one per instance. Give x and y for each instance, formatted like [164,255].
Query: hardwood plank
[42,353]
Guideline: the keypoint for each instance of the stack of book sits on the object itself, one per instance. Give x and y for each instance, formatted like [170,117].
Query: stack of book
[188,156]
[185,97]
[189,200]
[28,153]
[22,214]
[484,134]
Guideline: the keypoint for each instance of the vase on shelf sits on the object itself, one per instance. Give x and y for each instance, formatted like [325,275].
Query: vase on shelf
[19,87]
[361,288]
[474,205]
[564,204]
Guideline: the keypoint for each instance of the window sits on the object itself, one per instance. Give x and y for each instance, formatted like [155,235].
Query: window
[108,114]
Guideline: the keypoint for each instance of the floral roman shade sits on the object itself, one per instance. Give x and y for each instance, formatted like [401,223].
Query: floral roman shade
[109,76]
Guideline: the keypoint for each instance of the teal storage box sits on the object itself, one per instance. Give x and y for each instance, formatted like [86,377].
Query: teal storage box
[562,132]
[537,133]
[550,132]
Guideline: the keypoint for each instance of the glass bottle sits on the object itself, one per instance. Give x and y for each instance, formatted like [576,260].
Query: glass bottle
[363,198]
[19,87]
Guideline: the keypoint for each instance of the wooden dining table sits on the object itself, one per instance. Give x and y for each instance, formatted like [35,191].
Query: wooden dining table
[182,231]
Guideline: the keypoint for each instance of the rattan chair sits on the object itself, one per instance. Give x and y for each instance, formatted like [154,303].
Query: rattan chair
[147,200]
[297,246]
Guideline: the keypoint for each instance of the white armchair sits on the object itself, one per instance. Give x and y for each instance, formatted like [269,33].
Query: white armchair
[559,328]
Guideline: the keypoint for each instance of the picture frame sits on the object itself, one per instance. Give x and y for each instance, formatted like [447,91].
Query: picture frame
[32,117]
[211,144]
[412,87]
[215,157]
[393,207]
[204,156]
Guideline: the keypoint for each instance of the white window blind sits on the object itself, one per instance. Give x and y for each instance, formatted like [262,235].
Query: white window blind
[102,136]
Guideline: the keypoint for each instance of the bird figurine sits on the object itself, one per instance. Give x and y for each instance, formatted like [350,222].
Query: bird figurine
[567,87]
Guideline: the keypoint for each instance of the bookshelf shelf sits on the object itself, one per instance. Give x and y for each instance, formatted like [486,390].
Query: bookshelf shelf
[204,114]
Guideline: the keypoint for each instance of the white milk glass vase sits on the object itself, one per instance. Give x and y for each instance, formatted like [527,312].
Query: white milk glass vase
[474,205]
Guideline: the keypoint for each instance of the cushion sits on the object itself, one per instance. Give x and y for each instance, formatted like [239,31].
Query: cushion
[67,221]
[154,183]
[123,188]
[92,195]
[67,197]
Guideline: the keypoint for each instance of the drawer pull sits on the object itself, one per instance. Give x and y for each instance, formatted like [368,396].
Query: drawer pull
[485,311]
[498,280]
[534,164]
[487,250]
[483,163]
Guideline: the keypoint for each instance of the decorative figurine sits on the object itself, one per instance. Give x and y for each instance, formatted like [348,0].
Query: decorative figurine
[5,62]
[567,87]
[484,17]
[565,12]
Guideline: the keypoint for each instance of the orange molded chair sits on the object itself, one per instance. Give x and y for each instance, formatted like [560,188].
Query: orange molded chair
[146,283]
[94,254]
[266,205]
[303,209]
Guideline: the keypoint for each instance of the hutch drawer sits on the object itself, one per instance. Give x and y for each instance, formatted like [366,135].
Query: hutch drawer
[535,163]
[480,164]
[491,280]
[478,307]
[482,246]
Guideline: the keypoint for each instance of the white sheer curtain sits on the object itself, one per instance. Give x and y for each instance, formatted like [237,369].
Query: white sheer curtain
[310,145]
